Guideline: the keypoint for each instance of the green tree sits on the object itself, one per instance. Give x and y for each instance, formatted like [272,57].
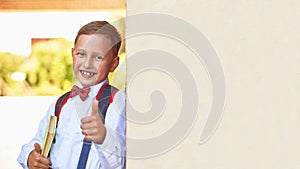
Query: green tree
[49,68]
[9,63]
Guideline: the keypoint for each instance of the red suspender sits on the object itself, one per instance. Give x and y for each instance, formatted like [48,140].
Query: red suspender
[112,97]
[101,89]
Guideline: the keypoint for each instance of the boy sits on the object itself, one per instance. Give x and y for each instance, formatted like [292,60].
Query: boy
[94,55]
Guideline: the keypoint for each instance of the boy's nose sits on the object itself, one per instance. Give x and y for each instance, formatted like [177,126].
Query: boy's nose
[88,62]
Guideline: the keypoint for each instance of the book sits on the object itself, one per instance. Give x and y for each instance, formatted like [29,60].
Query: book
[49,135]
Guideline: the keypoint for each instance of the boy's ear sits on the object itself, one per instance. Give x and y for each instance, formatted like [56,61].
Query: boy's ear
[114,64]
[72,52]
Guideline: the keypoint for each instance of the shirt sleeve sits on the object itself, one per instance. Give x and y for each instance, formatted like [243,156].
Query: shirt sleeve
[112,151]
[38,138]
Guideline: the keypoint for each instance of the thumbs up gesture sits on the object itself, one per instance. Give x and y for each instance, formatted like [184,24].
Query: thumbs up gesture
[92,126]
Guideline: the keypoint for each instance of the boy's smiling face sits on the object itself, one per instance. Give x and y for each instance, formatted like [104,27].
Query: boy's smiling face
[93,59]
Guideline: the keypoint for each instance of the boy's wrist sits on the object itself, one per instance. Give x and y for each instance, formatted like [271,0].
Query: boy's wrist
[102,136]
[108,143]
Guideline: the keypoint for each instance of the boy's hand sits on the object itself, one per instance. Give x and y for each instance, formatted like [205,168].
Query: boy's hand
[36,160]
[92,126]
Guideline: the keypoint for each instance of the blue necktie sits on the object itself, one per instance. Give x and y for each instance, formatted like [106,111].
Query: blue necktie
[84,154]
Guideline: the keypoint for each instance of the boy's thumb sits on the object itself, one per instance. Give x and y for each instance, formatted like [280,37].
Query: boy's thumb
[37,148]
[95,107]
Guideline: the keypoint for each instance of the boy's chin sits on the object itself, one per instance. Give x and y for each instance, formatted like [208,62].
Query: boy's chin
[89,82]
[86,83]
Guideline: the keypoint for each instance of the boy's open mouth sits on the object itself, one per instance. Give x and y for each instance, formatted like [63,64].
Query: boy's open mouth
[86,74]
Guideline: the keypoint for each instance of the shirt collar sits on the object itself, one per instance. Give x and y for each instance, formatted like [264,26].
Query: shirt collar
[95,88]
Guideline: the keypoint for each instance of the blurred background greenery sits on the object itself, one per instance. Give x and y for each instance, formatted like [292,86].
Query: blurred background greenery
[47,71]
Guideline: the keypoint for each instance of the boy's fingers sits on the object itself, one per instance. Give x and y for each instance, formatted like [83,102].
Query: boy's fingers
[95,112]
[44,161]
[86,120]
[37,147]
[95,107]
[87,137]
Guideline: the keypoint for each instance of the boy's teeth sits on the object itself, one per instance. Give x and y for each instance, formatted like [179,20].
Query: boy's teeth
[87,73]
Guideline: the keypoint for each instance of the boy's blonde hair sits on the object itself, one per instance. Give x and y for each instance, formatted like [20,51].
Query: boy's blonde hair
[103,28]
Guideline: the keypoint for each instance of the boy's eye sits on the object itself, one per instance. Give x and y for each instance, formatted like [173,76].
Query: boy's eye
[99,58]
[80,54]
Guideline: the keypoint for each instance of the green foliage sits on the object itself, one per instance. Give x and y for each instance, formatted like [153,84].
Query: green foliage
[9,64]
[49,68]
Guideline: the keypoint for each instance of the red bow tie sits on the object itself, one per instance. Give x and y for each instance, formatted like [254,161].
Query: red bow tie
[83,92]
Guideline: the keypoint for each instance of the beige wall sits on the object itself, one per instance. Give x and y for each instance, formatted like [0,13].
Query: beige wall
[257,43]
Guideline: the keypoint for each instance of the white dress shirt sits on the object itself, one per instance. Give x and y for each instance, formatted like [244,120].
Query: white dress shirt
[66,150]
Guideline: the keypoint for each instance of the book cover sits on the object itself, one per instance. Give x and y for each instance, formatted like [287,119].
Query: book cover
[49,135]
